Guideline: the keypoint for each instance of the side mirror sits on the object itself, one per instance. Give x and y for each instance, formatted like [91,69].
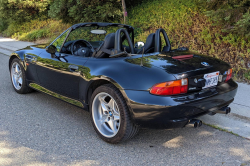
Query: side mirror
[51,49]
[139,45]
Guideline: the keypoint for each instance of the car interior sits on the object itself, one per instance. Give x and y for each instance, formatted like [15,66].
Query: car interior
[99,43]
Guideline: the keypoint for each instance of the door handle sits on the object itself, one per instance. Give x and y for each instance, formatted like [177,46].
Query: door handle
[73,67]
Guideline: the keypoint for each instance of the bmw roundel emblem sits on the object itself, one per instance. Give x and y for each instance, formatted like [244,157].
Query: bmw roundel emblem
[204,63]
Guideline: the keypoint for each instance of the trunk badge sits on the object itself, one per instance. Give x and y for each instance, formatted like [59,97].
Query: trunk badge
[204,63]
[195,80]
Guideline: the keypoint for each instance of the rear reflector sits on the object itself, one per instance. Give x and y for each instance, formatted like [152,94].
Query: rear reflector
[229,74]
[171,87]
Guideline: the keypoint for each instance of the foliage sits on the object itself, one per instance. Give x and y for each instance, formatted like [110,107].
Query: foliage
[131,3]
[247,75]
[187,26]
[232,15]
[22,11]
[75,11]
[36,30]
[3,24]
[224,34]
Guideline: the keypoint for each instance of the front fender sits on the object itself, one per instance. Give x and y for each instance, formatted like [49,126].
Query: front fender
[20,55]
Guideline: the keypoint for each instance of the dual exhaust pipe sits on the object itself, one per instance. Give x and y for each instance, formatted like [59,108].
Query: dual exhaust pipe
[223,110]
[195,123]
[198,123]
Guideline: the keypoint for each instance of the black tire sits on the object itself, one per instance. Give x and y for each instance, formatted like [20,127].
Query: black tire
[127,128]
[24,87]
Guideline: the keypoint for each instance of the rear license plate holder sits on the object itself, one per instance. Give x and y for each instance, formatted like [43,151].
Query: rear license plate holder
[211,79]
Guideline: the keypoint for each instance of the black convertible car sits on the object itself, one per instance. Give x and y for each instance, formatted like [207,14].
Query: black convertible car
[97,67]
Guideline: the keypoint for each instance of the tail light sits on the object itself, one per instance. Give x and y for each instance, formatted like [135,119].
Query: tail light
[229,74]
[170,88]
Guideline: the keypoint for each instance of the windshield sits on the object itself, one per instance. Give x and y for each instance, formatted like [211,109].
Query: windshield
[88,33]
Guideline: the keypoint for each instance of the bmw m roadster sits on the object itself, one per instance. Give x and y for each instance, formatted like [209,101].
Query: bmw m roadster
[125,86]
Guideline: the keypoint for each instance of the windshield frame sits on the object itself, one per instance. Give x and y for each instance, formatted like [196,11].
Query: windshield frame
[129,28]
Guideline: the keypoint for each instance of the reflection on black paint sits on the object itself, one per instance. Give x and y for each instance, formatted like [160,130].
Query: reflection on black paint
[69,100]
[173,66]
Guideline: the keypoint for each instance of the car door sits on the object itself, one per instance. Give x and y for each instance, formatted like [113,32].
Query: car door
[60,73]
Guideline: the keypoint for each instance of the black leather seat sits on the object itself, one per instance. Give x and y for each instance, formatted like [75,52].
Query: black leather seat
[149,45]
[105,49]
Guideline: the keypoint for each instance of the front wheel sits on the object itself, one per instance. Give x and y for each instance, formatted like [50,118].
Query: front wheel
[18,77]
[110,115]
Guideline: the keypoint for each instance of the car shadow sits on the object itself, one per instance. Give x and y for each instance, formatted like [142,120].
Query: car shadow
[56,128]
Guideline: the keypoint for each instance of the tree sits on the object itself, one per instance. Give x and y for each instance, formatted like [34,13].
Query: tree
[75,11]
[21,11]
[231,15]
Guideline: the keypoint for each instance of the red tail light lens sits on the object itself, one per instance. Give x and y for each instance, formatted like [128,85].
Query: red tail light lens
[229,74]
[171,87]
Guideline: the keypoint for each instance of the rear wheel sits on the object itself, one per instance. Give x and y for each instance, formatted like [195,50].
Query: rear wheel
[110,115]
[18,78]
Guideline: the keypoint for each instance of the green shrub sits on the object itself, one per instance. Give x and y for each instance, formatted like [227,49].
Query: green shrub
[186,25]
[75,11]
[247,75]
[36,29]
[3,24]
[22,11]
[231,15]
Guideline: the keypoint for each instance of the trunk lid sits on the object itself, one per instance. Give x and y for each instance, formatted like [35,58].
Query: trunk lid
[186,64]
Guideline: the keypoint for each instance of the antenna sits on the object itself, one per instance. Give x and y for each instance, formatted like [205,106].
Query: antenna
[142,56]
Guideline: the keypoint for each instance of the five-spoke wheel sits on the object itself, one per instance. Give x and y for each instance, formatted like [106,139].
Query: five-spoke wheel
[16,76]
[110,115]
[106,114]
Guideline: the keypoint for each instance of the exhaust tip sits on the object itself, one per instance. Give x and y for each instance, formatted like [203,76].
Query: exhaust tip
[200,123]
[195,122]
[224,110]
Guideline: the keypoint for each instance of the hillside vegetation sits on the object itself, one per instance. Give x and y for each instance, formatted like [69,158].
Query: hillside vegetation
[187,26]
[220,30]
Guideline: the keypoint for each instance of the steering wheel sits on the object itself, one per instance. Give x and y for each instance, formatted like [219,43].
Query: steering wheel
[81,48]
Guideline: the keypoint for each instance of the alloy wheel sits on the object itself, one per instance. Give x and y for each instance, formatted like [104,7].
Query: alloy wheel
[106,115]
[16,76]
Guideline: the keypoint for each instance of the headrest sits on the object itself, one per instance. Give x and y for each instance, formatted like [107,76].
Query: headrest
[109,41]
[150,40]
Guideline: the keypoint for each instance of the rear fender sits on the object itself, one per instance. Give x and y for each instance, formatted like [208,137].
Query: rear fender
[96,82]
[85,94]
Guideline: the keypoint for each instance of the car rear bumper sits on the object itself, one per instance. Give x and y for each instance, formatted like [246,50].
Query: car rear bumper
[153,111]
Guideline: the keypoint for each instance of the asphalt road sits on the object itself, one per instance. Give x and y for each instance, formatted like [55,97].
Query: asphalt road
[36,129]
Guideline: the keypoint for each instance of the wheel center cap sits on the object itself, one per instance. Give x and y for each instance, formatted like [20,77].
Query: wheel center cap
[110,113]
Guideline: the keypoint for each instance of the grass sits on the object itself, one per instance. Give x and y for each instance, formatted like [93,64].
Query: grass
[36,30]
[221,129]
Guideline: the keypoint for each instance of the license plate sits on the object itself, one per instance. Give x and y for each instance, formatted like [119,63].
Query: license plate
[211,79]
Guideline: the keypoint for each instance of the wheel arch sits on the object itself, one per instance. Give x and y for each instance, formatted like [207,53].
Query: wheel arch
[20,56]
[99,82]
